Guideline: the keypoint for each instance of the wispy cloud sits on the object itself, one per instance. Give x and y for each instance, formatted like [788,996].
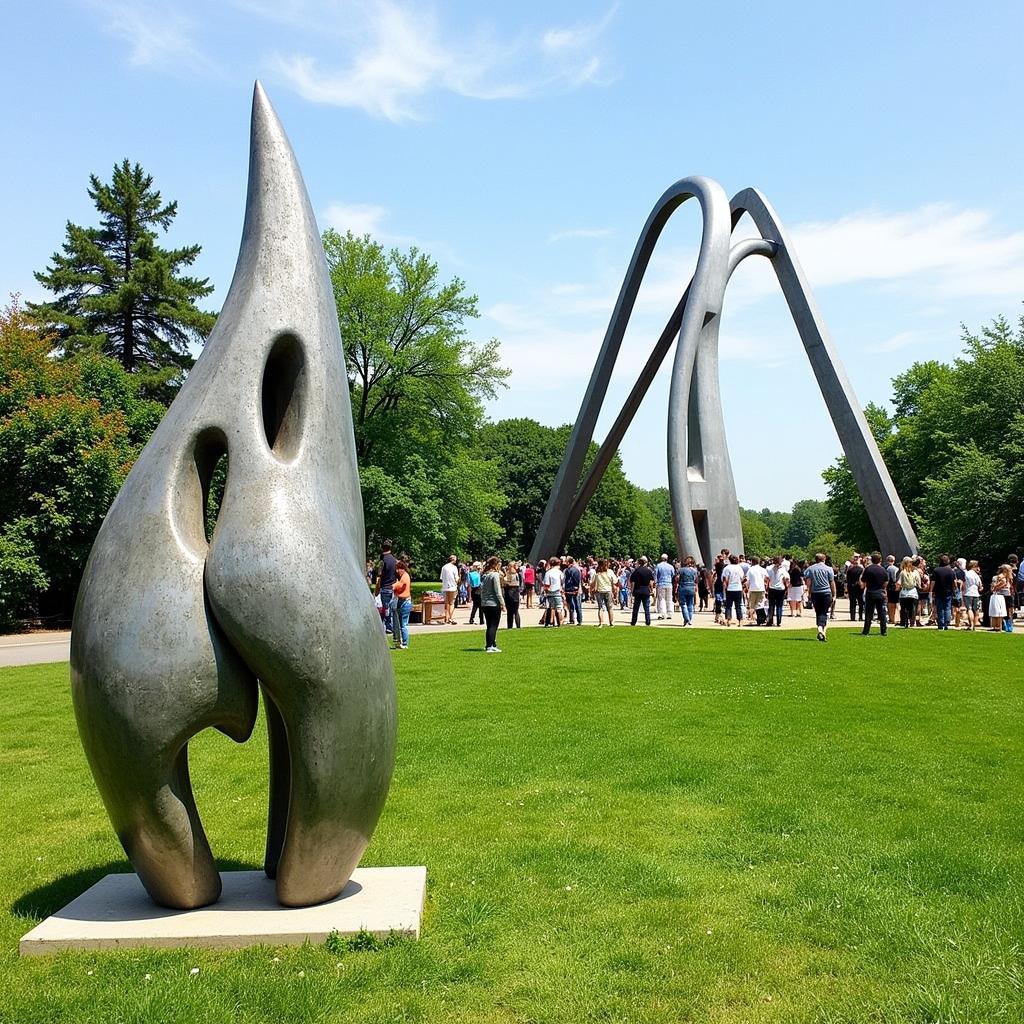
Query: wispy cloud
[359,218]
[561,236]
[397,55]
[925,253]
[894,343]
[158,35]
[938,246]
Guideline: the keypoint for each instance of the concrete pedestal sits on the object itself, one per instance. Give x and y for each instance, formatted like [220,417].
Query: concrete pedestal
[117,913]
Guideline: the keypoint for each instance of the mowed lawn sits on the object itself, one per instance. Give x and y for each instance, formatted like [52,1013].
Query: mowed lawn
[624,825]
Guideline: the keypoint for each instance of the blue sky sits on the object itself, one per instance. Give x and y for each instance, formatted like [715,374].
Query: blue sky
[524,145]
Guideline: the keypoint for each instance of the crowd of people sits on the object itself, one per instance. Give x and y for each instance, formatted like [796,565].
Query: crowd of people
[738,590]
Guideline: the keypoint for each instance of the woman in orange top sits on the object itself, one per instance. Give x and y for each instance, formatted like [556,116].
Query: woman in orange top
[401,606]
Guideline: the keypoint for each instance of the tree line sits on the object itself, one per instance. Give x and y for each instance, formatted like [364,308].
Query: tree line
[86,376]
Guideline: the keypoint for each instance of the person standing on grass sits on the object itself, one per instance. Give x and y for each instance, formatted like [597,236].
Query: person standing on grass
[910,580]
[1000,610]
[641,579]
[892,591]
[401,606]
[874,582]
[796,588]
[664,574]
[553,592]
[778,584]
[603,585]
[703,590]
[821,579]
[854,573]
[623,587]
[924,592]
[689,576]
[732,587]
[972,595]
[474,592]
[386,583]
[512,583]
[449,589]
[572,583]
[754,583]
[960,572]
[719,588]
[943,587]
[492,603]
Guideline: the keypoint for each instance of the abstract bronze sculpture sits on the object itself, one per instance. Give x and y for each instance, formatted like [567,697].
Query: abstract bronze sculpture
[173,634]
[703,492]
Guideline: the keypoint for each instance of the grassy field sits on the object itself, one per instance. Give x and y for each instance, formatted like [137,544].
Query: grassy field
[629,825]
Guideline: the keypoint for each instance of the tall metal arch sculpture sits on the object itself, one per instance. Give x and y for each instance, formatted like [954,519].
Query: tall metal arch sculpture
[703,492]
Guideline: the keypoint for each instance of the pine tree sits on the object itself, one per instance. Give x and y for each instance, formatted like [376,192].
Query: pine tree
[117,290]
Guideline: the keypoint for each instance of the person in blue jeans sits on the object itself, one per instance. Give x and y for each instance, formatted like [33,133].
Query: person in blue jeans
[943,585]
[572,581]
[401,606]
[687,589]
[386,583]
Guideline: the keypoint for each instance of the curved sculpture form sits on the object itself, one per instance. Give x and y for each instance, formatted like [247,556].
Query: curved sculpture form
[173,634]
[701,485]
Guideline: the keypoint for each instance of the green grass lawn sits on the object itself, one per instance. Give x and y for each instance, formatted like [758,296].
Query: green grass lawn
[631,825]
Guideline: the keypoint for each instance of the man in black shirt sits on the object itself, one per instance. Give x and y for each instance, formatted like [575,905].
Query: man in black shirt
[640,586]
[873,582]
[572,579]
[854,571]
[943,585]
[386,582]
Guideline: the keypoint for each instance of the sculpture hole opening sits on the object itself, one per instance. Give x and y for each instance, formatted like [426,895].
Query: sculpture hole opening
[283,396]
[211,459]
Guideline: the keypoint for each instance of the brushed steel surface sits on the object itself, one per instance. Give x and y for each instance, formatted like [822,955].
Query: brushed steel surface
[701,482]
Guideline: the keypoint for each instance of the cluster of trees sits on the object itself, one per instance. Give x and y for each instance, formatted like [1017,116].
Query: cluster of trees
[954,445]
[802,532]
[86,377]
[70,430]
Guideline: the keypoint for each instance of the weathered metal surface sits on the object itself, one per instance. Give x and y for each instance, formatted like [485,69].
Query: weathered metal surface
[172,634]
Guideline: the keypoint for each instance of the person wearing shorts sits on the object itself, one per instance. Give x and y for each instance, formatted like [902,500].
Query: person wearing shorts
[603,586]
[822,582]
[553,591]
[972,595]
[732,584]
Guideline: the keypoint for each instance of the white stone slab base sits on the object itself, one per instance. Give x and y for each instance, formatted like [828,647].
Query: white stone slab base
[116,913]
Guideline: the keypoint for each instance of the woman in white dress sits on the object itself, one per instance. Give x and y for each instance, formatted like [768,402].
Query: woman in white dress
[997,601]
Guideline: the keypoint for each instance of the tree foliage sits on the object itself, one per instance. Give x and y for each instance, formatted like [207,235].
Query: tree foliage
[953,446]
[120,293]
[69,432]
[417,385]
[617,521]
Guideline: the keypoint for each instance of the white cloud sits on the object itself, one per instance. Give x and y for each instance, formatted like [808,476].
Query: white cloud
[945,249]
[561,236]
[359,218]
[158,35]
[399,54]
[901,339]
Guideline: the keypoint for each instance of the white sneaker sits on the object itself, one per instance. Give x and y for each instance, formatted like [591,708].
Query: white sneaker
[496,650]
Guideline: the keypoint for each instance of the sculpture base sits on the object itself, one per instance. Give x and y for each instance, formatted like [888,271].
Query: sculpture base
[116,913]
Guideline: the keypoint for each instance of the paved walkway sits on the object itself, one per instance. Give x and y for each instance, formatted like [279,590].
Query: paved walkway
[42,648]
[35,648]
